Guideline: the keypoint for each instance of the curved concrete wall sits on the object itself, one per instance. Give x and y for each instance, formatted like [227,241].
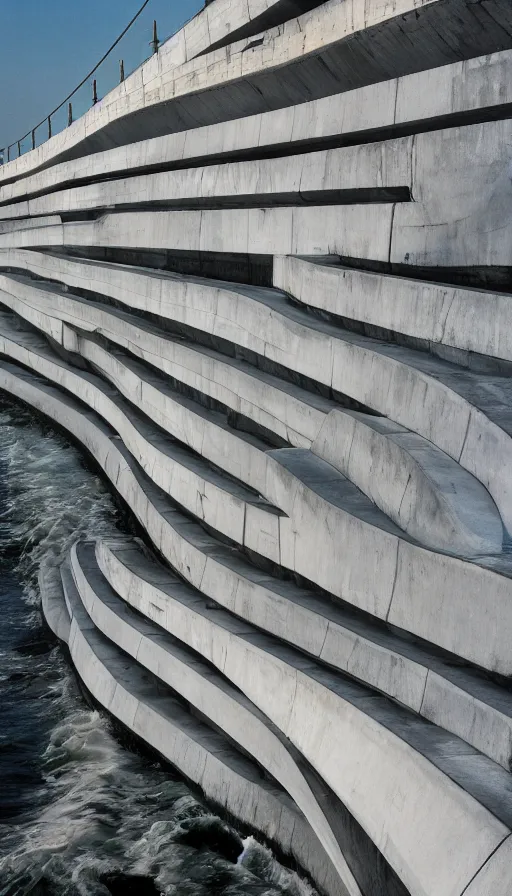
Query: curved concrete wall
[304,490]
[266,284]
[205,758]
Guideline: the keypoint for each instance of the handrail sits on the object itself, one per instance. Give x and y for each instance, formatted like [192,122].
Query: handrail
[47,118]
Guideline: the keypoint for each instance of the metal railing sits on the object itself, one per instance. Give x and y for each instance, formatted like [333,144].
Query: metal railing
[45,128]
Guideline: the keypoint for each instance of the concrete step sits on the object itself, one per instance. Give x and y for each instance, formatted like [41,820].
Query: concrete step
[416,390]
[368,173]
[281,68]
[464,92]
[343,719]
[423,490]
[221,502]
[445,615]
[205,757]
[461,323]
[284,408]
[418,675]
[465,414]
[444,508]
[215,699]
[324,511]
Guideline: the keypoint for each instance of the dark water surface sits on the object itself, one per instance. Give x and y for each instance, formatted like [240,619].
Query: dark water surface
[82,813]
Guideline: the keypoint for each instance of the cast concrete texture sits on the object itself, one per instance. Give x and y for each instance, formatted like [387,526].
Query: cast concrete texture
[448,224]
[419,487]
[205,757]
[467,89]
[211,696]
[266,284]
[76,421]
[309,689]
[303,488]
[459,411]
[327,50]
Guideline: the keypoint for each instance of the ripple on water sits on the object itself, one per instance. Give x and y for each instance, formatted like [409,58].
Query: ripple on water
[82,814]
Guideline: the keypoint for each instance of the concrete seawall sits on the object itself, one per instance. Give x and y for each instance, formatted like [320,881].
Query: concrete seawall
[266,284]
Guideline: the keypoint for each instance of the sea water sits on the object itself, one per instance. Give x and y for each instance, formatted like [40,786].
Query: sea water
[83,810]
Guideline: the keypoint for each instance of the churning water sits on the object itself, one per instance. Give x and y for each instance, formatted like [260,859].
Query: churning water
[81,812]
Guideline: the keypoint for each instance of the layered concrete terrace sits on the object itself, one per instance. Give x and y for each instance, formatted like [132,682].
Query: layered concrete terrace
[266,284]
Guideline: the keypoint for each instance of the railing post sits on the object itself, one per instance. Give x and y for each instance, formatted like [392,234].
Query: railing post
[33,138]
[154,42]
[8,153]
[121,71]
[49,127]
[94,93]
[19,148]
[70,114]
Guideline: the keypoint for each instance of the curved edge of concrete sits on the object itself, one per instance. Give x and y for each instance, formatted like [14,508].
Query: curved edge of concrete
[471,320]
[423,490]
[212,698]
[415,390]
[203,756]
[458,89]
[444,614]
[287,689]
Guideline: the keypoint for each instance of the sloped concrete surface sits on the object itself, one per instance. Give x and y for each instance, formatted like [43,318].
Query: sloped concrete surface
[266,284]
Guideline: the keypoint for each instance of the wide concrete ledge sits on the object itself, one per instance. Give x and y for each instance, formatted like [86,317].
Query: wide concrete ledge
[462,617]
[362,231]
[449,224]
[466,415]
[323,511]
[452,696]
[353,739]
[26,224]
[419,487]
[318,176]
[461,89]
[325,51]
[489,880]
[456,698]
[210,695]
[216,500]
[471,320]
[203,756]
[292,413]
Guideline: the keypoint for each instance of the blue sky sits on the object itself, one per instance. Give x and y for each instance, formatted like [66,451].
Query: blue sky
[48,46]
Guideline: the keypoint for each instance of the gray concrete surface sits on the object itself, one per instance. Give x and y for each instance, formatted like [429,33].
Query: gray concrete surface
[204,757]
[324,51]
[410,674]
[321,511]
[208,694]
[419,487]
[463,413]
[438,314]
[322,463]
[463,88]
[284,682]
